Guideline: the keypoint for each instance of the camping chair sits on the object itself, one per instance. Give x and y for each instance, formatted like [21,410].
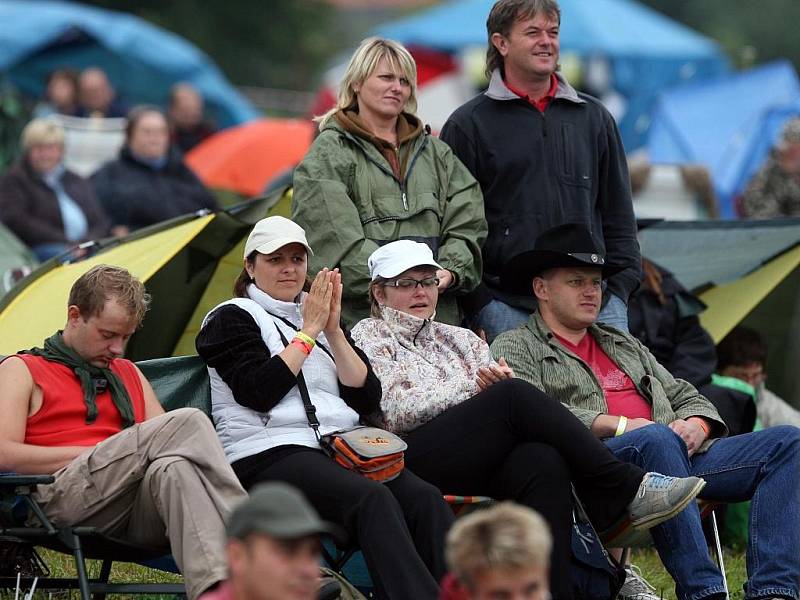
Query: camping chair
[90,142]
[17,506]
[627,540]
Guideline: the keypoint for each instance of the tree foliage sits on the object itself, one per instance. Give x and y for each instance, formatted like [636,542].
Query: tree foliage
[274,43]
[748,30]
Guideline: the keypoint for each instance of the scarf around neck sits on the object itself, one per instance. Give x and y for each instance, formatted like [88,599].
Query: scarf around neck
[56,350]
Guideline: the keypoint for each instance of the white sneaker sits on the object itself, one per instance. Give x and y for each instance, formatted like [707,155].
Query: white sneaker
[636,587]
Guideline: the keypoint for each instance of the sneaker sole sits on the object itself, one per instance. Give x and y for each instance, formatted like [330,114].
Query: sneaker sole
[658,518]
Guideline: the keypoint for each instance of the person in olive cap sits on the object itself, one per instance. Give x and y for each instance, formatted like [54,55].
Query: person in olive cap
[273,547]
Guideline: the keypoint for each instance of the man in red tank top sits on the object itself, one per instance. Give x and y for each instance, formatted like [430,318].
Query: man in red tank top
[77,410]
[646,416]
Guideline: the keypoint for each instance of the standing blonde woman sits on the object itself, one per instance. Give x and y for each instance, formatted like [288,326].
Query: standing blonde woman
[375,174]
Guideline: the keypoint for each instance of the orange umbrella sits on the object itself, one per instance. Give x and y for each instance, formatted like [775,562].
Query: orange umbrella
[244,158]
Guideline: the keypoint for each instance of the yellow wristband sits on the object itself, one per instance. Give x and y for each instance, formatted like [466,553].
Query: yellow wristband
[621,426]
[306,338]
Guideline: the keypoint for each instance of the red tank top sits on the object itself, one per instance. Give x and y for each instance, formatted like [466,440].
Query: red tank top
[61,420]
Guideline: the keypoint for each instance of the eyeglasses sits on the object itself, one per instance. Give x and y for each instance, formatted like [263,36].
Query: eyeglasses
[407,283]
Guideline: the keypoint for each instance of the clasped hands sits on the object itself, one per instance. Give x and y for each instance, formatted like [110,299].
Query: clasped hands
[322,307]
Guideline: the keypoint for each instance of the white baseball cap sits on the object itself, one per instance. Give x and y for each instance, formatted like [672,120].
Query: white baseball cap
[275,232]
[395,257]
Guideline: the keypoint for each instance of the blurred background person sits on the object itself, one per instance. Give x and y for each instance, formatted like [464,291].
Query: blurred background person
[774,191]
[742,355]
[60,95]
[500,552]
[97,97]
[273,547]
[48,207]
[148,182]
[189,127]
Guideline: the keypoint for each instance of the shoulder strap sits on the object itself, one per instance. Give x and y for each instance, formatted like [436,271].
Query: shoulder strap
[311,410]
[288,323]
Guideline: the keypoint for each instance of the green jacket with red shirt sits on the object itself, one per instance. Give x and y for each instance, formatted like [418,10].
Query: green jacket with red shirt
[539,358]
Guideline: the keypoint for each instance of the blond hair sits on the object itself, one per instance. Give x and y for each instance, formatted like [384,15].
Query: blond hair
[363,62]
[42,131]
[102,283]
[506,536]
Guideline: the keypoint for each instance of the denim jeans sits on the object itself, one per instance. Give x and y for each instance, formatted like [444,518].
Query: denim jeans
[498,317]
[763,467]
[615,313]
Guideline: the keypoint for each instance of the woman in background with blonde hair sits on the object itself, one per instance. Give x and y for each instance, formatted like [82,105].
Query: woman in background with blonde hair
[47,206]
[375,174]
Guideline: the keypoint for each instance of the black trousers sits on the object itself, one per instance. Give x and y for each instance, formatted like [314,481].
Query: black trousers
[400,525]
[514,442]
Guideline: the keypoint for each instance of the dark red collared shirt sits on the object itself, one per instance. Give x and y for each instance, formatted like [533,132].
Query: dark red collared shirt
[541,103]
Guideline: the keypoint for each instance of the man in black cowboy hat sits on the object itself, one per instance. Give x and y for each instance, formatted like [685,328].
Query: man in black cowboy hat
[617,388]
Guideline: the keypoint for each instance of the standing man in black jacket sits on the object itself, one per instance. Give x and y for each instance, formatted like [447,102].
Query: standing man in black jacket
[544,155]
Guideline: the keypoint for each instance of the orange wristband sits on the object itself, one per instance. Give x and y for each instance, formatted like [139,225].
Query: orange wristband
[305,347]
[702,422]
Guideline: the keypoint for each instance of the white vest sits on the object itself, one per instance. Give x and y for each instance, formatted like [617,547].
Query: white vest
[244,431]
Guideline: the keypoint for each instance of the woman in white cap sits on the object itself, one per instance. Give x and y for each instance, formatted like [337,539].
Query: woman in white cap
[255,345]
[473,429]
[377,174]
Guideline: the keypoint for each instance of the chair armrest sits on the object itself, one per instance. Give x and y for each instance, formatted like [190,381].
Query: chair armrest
[14,480]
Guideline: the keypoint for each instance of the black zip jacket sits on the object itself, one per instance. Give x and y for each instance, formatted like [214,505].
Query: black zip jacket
[539,170]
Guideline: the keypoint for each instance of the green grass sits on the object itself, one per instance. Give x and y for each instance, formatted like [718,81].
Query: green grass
[647,560]
[61,565]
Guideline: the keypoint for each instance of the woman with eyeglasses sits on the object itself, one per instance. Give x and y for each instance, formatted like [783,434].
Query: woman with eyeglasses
[279,325]
[376,174]
[473,429]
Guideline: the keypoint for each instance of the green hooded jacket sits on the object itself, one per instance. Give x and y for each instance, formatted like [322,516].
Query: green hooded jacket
[349,202]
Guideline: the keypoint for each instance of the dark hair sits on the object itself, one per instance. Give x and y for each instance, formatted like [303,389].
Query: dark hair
[742,346]
[67,73]
[102,283]
[135,115]
[244,279]
[502,17]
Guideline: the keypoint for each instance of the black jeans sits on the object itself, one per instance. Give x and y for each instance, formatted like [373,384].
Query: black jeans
[400,525]
[513,442]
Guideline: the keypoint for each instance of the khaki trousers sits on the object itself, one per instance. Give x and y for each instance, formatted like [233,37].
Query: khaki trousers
[163,481]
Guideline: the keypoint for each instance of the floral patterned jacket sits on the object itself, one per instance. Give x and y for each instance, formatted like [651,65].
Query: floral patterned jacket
[425,367]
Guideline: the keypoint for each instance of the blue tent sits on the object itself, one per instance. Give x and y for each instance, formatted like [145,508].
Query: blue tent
[142,60]
[647,51]
[728,125]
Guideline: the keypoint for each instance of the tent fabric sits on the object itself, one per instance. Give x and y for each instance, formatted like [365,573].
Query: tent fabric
[176,260]
[647,51]
[142,60]
[245,158]
[14,256]
[30,314]
[728,124]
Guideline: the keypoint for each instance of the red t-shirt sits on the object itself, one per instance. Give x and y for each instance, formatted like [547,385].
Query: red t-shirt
[622,397]
[61,420]
[539,103]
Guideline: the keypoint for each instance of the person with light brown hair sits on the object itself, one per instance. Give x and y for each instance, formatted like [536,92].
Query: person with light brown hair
[47,206]
[76,410]
[499,552]
[544,155]
[375,174]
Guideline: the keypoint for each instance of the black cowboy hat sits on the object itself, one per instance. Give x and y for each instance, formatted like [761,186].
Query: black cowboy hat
[568,245]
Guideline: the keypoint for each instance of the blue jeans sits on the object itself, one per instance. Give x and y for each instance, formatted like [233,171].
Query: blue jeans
[615,313]
[498,317]
[763,467]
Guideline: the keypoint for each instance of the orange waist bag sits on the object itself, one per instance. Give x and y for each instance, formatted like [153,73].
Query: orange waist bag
[372,452]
